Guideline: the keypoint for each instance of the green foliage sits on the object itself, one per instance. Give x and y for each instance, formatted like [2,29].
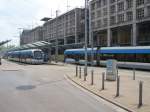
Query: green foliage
[60,58]
[4,47]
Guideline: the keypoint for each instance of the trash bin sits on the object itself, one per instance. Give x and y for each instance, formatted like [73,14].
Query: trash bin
[111,71]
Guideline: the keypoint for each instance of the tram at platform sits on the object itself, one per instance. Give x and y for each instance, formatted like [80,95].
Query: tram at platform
[128,57]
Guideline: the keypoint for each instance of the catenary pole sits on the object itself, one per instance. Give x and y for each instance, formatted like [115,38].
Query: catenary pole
[91,36]
[86,32]
[56,48]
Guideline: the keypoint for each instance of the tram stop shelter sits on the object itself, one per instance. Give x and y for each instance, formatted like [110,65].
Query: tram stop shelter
[4,42]
[45,46]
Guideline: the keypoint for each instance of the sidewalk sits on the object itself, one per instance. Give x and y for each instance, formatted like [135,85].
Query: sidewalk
[54,63]
[129,88]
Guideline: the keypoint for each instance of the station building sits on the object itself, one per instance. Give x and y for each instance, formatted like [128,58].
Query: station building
[24,37]
[120,22]
[67,29]
[30,36]
[113,23]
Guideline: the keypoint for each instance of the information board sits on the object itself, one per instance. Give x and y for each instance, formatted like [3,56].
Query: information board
[111,71]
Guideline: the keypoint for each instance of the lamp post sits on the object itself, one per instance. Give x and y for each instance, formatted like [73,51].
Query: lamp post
[56,48]
[86,33]
[91,36]
[45,33]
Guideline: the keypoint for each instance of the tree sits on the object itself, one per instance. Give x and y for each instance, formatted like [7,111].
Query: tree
[3,47]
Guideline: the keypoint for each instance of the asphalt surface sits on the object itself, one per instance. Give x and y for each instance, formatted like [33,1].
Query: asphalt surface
[42,88]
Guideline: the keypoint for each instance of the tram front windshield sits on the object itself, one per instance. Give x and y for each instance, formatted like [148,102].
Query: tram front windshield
[38,54]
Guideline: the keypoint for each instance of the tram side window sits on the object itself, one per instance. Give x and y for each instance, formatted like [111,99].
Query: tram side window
[89,57]
[130,57]
[119,57]
[143,58]
[94,56]
[140,58]
[108,56]
[148,58]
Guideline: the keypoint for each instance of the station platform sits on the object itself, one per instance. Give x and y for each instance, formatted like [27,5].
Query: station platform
[129,88]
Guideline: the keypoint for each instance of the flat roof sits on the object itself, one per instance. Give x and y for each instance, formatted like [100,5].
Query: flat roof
[4,42]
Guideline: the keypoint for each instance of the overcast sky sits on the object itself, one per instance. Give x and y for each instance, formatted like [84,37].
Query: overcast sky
[15,14]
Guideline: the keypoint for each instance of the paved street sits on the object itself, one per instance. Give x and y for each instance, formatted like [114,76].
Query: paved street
[42,88]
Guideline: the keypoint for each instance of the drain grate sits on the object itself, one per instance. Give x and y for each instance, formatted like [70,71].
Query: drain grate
[25,87]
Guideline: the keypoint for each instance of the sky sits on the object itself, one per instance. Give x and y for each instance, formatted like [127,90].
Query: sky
[16,15]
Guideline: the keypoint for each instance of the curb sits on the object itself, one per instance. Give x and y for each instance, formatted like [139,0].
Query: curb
[114,103]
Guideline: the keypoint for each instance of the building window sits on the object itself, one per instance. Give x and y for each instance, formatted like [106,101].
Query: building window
[104,2]
[112,9]
[129,16]
[98,23]
[112,20]
[105,22]
[148,10]
[92,6]
[112,1]
[120,6]
[129,4]
[139,2]
[120,18]
[93,25]
[93,15]
[99,13]
[140,13]
[104,11]
[98,3]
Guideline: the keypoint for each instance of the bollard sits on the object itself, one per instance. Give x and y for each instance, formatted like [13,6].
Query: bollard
[80,73]
[133,73]
[76,71]
[117,71]
[84,75]
[118,86]
[92,77]
[140,94]
[103,80]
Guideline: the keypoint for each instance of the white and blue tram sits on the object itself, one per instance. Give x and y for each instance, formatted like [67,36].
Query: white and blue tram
[127,57]
[31,56]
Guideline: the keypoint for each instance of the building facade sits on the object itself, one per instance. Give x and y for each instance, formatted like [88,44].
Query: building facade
[120,22]
[67,28]
[65,31]
[113,23]
[31,36]
[24,37]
